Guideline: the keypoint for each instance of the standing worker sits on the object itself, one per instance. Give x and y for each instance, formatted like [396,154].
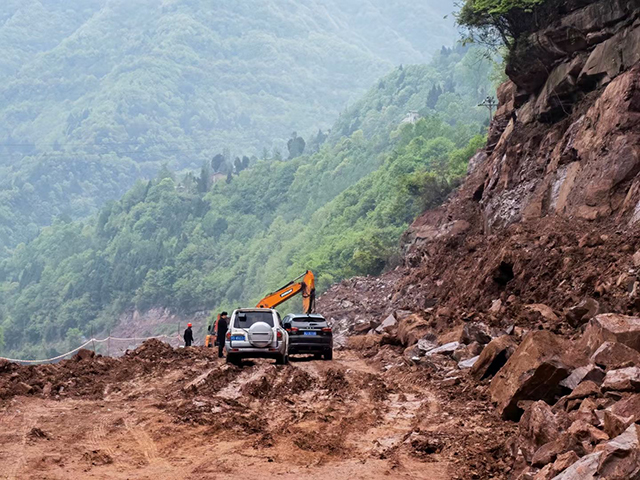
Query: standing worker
[223,325]
[188,336]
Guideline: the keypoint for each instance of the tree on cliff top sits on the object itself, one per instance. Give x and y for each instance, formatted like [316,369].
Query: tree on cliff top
[497,22]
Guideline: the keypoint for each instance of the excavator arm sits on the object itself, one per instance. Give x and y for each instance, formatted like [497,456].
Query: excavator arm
[306,287]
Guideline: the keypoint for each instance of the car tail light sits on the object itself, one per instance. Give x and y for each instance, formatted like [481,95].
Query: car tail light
[326,329]
[228,335]
[279,335]
[294,330]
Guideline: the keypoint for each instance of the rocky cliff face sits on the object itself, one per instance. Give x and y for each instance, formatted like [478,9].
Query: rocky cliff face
[554,199]
[566,136]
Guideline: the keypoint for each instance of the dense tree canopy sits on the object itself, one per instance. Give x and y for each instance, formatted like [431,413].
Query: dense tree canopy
[97,93]
[188,243]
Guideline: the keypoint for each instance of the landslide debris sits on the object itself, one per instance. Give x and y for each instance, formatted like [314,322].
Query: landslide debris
[92,376]
[523,290]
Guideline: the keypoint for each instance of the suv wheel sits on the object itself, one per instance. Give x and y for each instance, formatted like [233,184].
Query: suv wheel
[233,359]
[328,355]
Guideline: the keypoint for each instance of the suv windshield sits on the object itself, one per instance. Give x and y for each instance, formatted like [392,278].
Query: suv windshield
[246,319]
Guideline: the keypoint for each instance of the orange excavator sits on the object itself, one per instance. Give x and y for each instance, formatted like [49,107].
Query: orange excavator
[307,287]
[305,284]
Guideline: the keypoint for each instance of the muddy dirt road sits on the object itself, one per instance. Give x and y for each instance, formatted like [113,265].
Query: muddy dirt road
[188,415]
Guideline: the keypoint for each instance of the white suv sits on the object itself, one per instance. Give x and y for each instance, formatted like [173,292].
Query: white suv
[257,333]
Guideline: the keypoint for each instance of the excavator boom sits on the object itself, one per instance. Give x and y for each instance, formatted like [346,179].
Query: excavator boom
[307,287]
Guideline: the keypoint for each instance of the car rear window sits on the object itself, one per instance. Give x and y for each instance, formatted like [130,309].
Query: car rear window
[246,319]
[321,321]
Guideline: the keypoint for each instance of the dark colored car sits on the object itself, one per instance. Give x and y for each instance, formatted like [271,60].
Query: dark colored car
[309,334]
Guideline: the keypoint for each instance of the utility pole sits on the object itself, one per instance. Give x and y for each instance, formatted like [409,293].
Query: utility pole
[490,103]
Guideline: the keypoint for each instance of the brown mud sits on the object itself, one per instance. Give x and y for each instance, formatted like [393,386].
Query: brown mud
[160,412]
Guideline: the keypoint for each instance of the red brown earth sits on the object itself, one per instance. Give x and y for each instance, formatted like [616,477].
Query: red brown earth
[160,412]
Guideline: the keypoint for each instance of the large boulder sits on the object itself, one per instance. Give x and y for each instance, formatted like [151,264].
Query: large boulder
[583,469]
[612,355]
[533,372]
[620,459]
[612,327]
[493,357]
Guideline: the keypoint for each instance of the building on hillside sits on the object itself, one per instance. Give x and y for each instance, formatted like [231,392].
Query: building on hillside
[412,117]
[218,177]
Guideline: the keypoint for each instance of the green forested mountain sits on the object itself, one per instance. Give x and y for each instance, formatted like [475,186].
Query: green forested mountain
[179,242]
[97,93]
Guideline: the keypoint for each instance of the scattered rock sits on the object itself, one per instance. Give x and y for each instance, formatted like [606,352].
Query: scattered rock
[628,407]
[450,382]
[622,380]
[612,355]
[465,352]
[46,390]
[563,462]
[614,424]
[549,452]
[636,259]
[446,349]
[83,354]
[537,427]
[496,306]
[493,357]
[545,311]
[582,374]
[584,390]
[411,329]
[475,332]
[38,434]
[586,433]
[362,327]
[22,389]
[583,312]
[97,457]
[533,372]
[466,364]
[389,323]
[428,342]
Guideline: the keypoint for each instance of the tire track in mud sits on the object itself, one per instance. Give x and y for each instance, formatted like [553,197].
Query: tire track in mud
[28,425]
[98,439]
[145,442]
